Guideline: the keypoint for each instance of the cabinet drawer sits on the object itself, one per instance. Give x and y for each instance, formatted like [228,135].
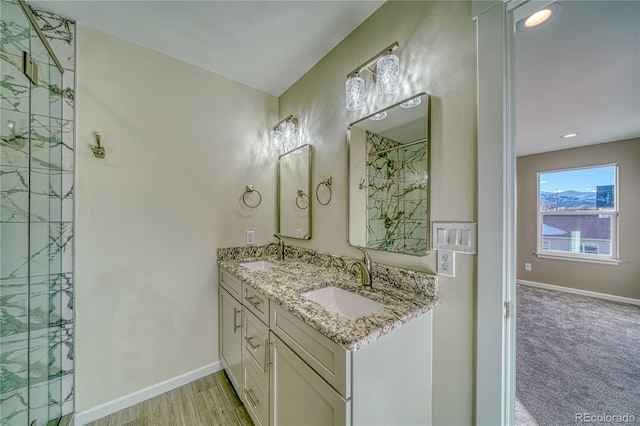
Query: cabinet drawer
[255,394]
[255,343]
[256,303]
[326,357]
[231,283]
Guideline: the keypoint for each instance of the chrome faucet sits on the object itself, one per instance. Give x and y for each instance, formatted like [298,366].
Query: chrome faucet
[365,267]
[279,247]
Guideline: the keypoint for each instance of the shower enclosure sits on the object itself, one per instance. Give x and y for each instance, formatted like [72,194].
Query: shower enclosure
[36,297]
[397,196]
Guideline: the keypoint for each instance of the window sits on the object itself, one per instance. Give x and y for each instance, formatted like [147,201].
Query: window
[578,214]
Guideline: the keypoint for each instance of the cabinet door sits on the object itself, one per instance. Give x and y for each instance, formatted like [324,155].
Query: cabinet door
[230,337]
[299,396]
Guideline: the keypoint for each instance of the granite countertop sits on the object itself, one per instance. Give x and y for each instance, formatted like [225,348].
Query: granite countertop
[285,282]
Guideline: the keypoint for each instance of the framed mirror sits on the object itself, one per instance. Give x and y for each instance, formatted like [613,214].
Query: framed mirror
[389,166]
[294,193]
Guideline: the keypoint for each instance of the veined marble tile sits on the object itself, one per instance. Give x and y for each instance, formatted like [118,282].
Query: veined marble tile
[60,33]
[67,197]
[46,143]
[39,402]
[14,305]
[14,193]
[14,250]
[67,388]
[15,28]
[68,95]
[14,146]
[15,405]
[378,143]
[14,86]
[67,145]
[66,247]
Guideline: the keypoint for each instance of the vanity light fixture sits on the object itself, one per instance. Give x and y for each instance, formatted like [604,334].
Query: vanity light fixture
[411,103]
[284,134]
[539,17]
[355,92]
[385,69]
[379,116]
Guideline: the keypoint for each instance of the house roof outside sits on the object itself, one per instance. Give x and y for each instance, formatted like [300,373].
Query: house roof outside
[590,226]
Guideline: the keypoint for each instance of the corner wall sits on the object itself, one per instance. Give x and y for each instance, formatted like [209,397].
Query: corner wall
[180,143]
[438,56]
[622,280]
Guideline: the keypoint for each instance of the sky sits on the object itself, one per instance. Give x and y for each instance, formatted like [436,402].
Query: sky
[583,180]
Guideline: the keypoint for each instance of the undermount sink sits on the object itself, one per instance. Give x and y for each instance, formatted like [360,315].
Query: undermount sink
[257,265]
[343,302]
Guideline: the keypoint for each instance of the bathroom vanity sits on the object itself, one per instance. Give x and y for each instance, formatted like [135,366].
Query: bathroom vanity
[293,361]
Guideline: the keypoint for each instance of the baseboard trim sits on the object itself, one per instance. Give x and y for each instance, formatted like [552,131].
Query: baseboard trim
[604,296]
[125,401]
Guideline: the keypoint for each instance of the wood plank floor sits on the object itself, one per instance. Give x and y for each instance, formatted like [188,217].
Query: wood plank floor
[207,401]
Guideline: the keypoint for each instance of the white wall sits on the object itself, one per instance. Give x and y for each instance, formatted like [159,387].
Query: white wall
[181,144]
[438,56]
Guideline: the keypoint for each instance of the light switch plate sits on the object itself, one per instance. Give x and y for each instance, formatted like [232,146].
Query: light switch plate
[455,236]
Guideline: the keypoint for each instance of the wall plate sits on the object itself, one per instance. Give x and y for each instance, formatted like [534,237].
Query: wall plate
[455,236]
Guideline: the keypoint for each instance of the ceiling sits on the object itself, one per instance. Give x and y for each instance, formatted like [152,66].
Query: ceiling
[577,73]
[267,45]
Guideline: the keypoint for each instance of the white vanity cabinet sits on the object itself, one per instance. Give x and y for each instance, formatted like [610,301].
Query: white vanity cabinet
[291,374]
[316,381]
[230,327]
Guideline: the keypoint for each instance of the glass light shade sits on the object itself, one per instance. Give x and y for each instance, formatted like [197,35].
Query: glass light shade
[288,131]
[388,75]
[411,103]
[277,139]
[379,116]
[355,93]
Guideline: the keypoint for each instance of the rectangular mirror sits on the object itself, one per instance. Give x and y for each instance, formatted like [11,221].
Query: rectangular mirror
[389,165]
[294,192]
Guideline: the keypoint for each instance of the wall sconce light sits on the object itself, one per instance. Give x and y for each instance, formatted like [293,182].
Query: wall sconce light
[386,74]
[284,135]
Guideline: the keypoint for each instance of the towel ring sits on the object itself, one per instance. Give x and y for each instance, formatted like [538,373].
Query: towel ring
[248,190]
[326,182]
[302,196]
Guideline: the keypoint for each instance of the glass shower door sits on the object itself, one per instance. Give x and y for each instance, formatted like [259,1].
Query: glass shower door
[32,288]
[14,218]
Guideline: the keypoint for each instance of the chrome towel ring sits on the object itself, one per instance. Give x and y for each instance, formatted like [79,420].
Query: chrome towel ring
[249,189]
[302,198]
[326,182]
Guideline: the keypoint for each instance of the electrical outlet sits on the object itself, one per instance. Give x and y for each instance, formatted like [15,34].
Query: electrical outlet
[527,266]
[447,263]
[251,238]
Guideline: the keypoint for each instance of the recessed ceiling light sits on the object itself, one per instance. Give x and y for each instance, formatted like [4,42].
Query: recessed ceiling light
[570,135]
[538,18]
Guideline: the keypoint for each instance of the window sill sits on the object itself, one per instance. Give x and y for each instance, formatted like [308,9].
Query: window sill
[614,262]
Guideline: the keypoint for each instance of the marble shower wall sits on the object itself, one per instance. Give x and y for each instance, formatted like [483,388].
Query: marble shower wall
[36,220]
[397,195]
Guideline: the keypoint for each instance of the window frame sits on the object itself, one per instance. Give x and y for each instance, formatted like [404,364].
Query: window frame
[614,213]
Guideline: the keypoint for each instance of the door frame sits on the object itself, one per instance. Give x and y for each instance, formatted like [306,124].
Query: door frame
[496,278]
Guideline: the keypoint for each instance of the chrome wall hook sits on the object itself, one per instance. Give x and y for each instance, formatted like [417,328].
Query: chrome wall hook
[97,149]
